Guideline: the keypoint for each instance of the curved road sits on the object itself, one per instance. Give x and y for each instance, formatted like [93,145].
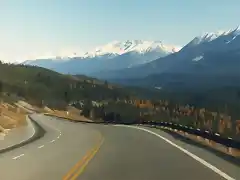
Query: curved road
[105,152]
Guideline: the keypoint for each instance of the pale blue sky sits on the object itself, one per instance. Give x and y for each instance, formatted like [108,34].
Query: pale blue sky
[40,26]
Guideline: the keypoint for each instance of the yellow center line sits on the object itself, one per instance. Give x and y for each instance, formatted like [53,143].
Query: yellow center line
[81,169]
[82,163]
[76,166]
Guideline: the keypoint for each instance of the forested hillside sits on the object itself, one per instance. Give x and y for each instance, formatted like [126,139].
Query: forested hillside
[215,109]
[43,86]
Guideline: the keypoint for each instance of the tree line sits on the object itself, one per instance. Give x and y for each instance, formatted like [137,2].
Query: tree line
[163,110]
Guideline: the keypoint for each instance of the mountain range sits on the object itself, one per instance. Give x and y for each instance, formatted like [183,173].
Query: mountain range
[198,56]
[212,59]
[110,57]
[207,60]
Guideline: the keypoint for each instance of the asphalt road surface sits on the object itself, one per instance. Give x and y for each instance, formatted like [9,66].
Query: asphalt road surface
[16,135]
[106,152]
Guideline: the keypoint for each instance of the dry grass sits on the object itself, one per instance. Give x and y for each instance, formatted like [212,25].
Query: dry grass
[71,114]
[11,116]
[47,109]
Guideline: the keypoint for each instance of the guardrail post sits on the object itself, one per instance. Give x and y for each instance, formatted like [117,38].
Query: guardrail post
[207,140]
[212,143]
[198,137]
[229,150]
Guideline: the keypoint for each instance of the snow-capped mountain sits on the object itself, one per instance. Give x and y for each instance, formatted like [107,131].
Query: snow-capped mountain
[112,56]
[138,46]
[210,53]
[219,41]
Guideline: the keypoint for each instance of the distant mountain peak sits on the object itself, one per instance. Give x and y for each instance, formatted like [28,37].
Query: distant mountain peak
[120,47]
[111,56]
[114,49]
[236,31]
[211,36]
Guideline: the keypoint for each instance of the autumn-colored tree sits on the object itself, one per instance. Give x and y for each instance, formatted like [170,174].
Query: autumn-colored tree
[237,127]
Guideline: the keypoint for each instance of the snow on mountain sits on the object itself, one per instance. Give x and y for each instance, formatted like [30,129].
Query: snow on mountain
[212,53]
[198,58]
[226,36]
[112,56]
[118,48]
[209,53]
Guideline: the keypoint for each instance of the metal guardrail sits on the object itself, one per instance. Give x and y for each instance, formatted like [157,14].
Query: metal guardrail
[229,142]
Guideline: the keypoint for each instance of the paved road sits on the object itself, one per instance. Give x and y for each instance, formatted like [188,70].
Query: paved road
[50,157]
[16,135]
[104,152]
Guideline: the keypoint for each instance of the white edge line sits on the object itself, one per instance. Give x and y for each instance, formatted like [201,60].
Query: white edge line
[16,157]
[52,141]
[205,163]
[40,146]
